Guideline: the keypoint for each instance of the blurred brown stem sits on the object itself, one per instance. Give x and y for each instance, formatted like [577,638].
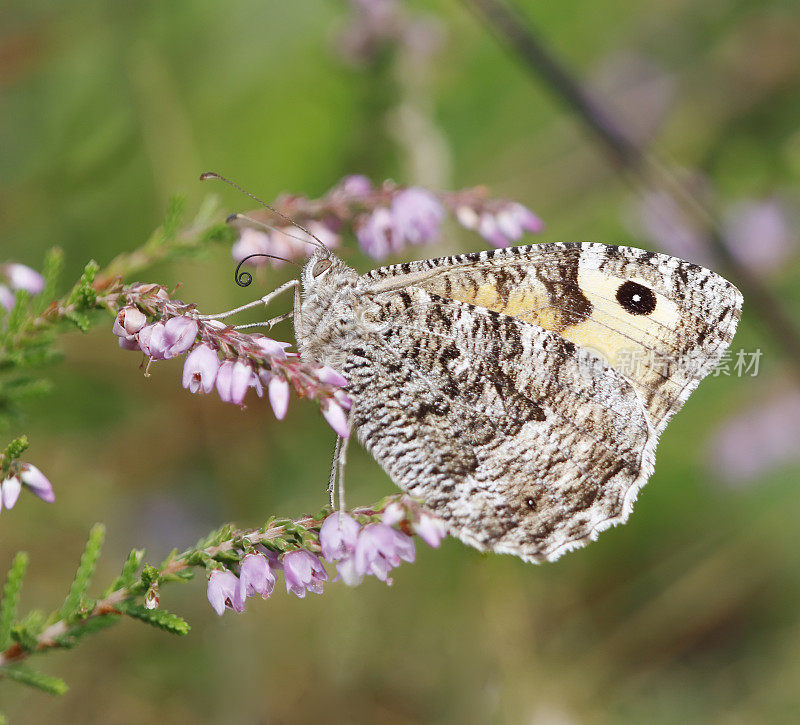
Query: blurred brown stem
[641,168]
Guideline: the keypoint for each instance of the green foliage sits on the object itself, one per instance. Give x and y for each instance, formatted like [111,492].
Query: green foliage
[83,298]
[127,577]
[26,633]
[34,678]
[174,218]
[74,601]
[160,618]
[77,632]
[14,450]
[51,271]
[11,591]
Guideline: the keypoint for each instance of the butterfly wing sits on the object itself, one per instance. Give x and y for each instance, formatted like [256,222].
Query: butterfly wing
[520,441]
[661,322]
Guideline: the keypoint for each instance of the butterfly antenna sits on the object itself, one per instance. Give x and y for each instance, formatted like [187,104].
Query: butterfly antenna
[213,175]
[244,278]
[264,225]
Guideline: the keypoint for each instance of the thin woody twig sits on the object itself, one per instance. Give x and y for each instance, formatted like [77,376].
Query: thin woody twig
[640,167]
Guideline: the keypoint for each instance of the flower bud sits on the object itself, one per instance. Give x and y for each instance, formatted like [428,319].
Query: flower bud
[179,335]
[37,482]
[129,321]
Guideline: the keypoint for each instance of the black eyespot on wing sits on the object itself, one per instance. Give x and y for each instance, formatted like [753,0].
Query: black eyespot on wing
[636,298]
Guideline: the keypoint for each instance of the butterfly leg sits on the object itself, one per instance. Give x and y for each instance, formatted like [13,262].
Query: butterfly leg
[337,470]
[265,300]
[269,324]
[341,462]
[334,467]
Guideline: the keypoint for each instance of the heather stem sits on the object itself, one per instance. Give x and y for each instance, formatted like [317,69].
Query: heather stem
[49,637]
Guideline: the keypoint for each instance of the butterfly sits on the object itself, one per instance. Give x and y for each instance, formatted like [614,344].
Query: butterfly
[496,386]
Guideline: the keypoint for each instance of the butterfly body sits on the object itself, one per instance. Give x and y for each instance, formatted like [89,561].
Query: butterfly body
[490,384]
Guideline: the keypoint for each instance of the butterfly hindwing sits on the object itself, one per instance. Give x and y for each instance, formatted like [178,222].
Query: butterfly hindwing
[497,423]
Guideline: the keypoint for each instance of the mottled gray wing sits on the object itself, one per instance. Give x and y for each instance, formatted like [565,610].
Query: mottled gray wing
[522,442]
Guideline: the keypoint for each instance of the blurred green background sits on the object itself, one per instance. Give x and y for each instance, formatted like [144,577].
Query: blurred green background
[689,613]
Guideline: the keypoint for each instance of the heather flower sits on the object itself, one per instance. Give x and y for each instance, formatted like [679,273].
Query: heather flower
[37,482]
[25,278]
[255,576]
[338,536]
[303,572]
[179,335]
[278,392]
[416,215]
[430,529]
[128,322]
[233,381]
[152,341]
[270,347]
[499,222]
[376,235]
[7,298]
[225,591]
[336,416]
[200,370]
[759,234]
[759,439]
[9,492]
[356,185]
[286,242]
[394,513]
[514,220]
[326,374]
[661,220]
[252,241]
[380,548]
[132,344]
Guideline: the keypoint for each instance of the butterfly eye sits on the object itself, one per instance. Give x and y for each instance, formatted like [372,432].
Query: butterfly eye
[322,265]
[636,298]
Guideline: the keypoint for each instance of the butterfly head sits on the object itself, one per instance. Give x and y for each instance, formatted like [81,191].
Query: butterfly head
[325,273]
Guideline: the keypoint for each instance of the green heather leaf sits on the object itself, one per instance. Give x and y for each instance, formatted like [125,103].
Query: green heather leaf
[219,234]
[85,571]
[26,633]
[18,315]
[228,556]
[34,678]
[83,295]
[17,447]
[170,558]
[160,618]
[87,626]
[51,271]
[11,590]
[172,224]
[183,575]
[150,575]
[127,577]
[80,319]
